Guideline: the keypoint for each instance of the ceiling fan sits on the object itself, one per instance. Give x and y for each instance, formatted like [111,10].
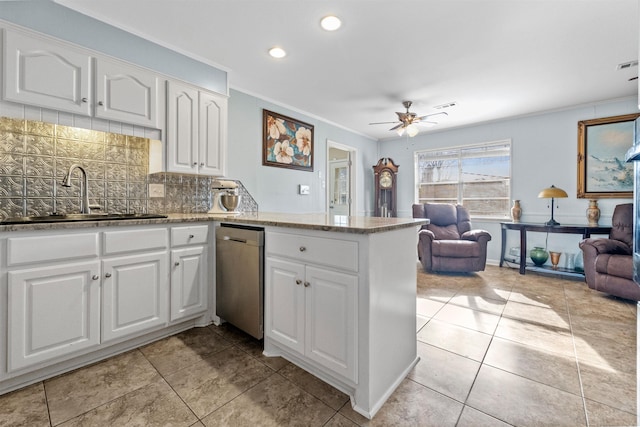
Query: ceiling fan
[407,121]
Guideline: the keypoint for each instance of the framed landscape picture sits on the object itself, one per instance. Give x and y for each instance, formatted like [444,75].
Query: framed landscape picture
[286,142]
[602,145]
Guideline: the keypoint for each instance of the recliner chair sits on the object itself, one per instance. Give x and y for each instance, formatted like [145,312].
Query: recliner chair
[447,243]
[608,263]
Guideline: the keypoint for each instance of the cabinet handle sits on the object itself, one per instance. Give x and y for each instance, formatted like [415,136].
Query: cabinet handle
[191,236]
[95,277]
[302,249]
[195,163]
[177,263]
[307,284]
[298,282]
[84,100]
[202,164]
[107,275]
[100,103]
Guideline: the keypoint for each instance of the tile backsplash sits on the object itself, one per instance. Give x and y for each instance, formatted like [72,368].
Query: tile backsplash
[35,156]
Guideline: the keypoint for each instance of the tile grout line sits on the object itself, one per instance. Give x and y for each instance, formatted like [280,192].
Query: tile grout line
[169,384]
[575,354]
[46,402]
[482,363]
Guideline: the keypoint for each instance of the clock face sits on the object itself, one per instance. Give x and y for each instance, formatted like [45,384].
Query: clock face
[385,179]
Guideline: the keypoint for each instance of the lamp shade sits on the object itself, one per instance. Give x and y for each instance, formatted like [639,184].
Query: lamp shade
[412,130]
[552,192]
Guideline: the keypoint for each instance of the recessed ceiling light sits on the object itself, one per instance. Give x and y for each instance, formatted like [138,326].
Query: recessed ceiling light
[330,23]
[277,52]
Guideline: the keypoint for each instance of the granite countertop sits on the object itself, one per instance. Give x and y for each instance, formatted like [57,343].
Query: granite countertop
[323,222]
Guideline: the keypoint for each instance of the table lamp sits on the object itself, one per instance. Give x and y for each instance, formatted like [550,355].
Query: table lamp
[552,193]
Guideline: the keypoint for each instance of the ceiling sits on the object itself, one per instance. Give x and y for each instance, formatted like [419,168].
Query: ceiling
[493,58]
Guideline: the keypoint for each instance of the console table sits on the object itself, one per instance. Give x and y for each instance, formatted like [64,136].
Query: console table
[524,227]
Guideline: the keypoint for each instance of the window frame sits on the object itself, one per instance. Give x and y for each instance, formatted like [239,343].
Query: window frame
[460,149]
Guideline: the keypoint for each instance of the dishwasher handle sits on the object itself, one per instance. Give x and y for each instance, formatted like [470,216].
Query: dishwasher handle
[234,239]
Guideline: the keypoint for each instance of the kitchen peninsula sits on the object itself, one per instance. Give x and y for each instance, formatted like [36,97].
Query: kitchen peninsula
[340,294]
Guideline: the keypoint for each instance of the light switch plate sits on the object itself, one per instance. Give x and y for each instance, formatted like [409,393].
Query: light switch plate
[303,189]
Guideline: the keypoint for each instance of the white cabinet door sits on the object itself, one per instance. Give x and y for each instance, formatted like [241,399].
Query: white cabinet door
[46,74]
[53,312]
[126,94]
[196,130]
[331,319]
[135,291]
[182,128]
[213,134]
[284,303]
[189,282]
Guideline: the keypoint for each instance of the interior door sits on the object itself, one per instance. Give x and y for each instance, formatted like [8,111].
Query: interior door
[339,190]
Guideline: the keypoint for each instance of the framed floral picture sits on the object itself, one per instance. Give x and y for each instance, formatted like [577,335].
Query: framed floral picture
[602,145]
[286,142]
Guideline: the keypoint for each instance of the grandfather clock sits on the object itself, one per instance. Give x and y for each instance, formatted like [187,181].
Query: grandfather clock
[385,174]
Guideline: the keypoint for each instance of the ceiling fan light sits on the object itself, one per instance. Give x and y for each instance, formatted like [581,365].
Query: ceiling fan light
[400,131]
[412,130]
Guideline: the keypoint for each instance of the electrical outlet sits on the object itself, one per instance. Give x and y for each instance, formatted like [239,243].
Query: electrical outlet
[156,190]
[303,189]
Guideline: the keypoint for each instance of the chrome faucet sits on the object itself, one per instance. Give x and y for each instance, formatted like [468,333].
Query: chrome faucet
[84,187]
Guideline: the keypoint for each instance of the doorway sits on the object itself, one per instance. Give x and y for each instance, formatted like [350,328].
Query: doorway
[341,179]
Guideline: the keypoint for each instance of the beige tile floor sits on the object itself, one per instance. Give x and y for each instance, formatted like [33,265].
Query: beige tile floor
[496,349]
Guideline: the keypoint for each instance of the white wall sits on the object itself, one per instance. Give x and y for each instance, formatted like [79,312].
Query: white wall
[544,152]
[276,189]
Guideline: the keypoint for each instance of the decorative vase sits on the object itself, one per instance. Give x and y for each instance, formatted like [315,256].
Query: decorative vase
[579,262]
[593,213]
[516,211]
[555,259]
[539,255]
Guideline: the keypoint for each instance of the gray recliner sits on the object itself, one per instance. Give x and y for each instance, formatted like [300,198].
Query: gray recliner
[608,263]
[447,243]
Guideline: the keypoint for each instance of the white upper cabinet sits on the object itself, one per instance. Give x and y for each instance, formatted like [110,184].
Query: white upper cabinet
[46,74]
[53,75]
[126,93]
[213,134]
[196,130]
[182,128]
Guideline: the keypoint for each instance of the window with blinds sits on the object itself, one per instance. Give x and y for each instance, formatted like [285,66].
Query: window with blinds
[475,176]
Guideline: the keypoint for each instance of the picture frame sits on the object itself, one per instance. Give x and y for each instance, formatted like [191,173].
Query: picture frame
[602,145]
[286,142]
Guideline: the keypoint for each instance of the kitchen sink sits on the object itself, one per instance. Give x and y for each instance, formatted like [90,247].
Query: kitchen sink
[78,217]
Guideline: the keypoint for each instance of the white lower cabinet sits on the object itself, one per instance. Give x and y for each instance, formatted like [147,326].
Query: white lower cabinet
[188,282]
[134,292]
[53,311]
[74,292]
[310,309]
[189,272]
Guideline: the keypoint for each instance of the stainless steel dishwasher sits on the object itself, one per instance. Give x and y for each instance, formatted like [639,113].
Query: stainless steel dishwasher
[240,277]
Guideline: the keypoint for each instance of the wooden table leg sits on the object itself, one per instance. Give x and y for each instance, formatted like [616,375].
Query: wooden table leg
[504,245]
[523,250]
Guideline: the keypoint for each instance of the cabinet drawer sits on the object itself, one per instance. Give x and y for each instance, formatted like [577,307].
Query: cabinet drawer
[192,235]
[116,242]
[22,250]
[314,250]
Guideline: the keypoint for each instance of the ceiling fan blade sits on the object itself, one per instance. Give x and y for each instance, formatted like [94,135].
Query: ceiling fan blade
[399,125]
[383,123]
[431,115]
